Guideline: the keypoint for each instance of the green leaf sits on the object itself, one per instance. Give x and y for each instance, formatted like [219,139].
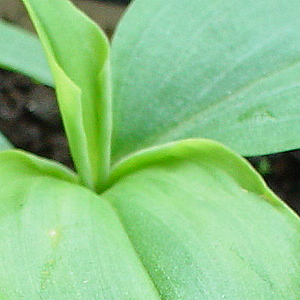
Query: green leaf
[21,51]
[227,70]
[77,51]
[205,225]
[60,240]
[4,143]
[189,220]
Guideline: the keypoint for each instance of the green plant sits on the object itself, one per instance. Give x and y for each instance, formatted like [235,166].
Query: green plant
[180,219]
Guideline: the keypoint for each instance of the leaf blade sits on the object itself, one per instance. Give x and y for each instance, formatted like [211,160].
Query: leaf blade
[60,240]
[203,228]
[201,223]
[210,69]
[22,52]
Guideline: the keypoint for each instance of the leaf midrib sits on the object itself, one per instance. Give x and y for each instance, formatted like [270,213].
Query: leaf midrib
[155,288]
[183,123]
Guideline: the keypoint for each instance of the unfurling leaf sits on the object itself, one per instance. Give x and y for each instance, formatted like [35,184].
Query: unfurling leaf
[81,74]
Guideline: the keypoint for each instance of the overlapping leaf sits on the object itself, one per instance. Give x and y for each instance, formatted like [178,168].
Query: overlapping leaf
[226,70]
[187,221]
[205,226]
[21,51]
[60,240]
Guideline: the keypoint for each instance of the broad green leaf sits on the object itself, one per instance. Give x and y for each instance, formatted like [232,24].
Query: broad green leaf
[222,69]
[205,225]
[60,240]
[189,220]
[77,51]
[21,51]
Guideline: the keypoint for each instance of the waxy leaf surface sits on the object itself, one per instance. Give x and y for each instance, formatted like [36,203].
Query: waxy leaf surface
[185,221]
[222,69]
[60,240]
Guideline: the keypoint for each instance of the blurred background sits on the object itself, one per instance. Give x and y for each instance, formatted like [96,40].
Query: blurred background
[29,115]
[106,13]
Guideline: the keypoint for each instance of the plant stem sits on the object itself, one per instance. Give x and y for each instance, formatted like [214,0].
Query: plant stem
[100,159]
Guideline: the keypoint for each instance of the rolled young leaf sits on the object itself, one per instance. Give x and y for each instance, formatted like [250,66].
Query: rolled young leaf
[226,70]
[78,53]
[21,51]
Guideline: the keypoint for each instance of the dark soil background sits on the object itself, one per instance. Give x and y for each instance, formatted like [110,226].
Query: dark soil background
[29,118]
